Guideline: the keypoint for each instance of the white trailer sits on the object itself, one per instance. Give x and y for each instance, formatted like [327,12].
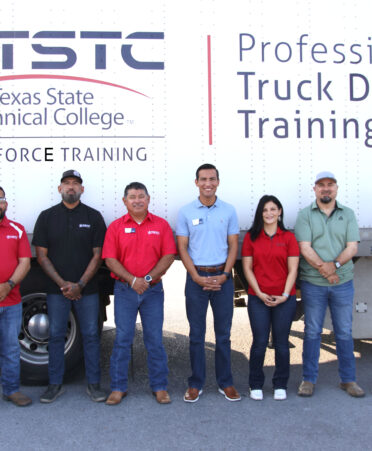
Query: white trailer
[271,92]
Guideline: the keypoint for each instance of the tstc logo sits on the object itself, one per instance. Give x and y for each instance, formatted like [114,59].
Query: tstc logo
[70,54]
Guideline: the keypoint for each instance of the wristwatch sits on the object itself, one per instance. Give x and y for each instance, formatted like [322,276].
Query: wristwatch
[148,278]
[337,264]
[227,274]
[11,283]
[81,284]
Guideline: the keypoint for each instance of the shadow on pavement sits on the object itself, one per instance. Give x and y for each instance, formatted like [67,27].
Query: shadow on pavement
[177,348]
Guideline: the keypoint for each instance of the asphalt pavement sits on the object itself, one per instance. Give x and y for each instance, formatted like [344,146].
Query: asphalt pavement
[330,420]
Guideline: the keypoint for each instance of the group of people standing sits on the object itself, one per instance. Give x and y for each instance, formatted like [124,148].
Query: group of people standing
[138,248]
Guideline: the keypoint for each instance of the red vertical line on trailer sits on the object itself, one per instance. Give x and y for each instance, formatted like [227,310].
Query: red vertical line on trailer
[209,91]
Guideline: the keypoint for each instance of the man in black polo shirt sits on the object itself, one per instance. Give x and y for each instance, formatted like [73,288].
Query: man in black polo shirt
[68,239]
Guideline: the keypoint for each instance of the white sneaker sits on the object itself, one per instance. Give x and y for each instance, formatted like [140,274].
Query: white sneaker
[280,394]
[257,395]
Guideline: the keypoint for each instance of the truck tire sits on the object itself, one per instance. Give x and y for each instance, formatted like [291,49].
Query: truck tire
[33,340]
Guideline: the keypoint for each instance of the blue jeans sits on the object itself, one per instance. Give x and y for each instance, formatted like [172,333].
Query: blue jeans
[262,319]
[340,301]
[150,305]
[197,301]
[87,311]
[10,327]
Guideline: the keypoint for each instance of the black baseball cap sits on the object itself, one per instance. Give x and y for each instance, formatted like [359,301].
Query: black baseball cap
[72,173]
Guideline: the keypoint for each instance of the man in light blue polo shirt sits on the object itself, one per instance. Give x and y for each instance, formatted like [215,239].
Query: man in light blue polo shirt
[207,237]
[328,236]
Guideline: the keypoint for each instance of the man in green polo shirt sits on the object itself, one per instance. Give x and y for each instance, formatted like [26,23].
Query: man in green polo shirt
[328,236]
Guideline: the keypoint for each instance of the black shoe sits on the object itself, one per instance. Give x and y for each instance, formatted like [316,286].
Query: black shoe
[96,393]
[52,393]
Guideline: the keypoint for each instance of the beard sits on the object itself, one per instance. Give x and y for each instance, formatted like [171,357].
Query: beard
[71,198]
[2,213]
[325,200]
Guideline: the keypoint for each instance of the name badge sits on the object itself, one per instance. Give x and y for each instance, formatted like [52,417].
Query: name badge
[198,221]
[129,230]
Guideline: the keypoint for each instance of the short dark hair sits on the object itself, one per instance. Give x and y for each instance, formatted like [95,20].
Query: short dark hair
[258,223]
[206,166]
[2,189]
[135,185]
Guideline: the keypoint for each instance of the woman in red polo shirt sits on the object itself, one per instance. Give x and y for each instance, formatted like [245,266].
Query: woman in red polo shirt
[270,261]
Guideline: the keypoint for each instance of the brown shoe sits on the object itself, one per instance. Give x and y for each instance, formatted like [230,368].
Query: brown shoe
[353,389]
[306,389]
[230,393]
[115,398]
[192,394]
[162,396]
[18,399]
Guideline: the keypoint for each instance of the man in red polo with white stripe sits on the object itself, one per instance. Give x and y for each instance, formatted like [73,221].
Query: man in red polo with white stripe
[139,248]
[14,265]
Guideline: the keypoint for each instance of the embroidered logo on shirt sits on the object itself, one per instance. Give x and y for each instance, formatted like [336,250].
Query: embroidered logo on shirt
[84,226]
[12,237]
[153,232]
[340,218]
[129,230]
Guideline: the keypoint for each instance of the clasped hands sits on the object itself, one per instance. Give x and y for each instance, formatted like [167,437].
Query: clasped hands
[4,290]
[328,271]
[272,301]
[72,291]
[211,283]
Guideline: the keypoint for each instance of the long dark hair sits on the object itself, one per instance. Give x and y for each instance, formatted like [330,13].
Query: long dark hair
[258,223]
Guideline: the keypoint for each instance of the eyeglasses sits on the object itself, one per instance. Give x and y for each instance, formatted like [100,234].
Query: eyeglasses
[2,200]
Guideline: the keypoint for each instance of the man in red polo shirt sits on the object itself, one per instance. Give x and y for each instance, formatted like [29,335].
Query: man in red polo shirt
[139,248]
[14,265]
